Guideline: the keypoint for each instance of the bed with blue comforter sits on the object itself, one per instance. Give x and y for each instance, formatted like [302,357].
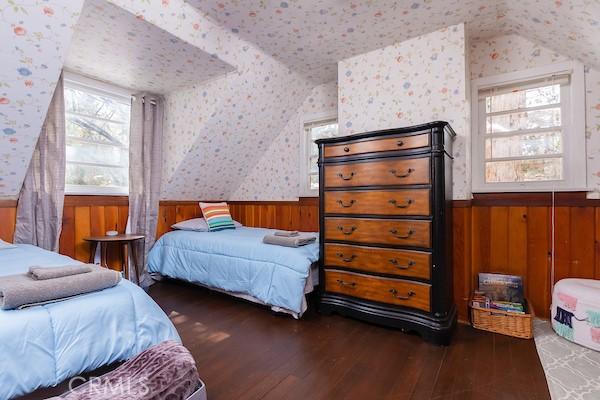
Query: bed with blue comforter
[238,262]
[44,345]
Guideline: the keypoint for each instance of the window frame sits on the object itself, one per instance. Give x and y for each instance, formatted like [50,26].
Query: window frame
[99,88]
[305,190]
[573,130]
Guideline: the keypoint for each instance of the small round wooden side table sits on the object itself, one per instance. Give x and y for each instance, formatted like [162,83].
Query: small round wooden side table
[125,241]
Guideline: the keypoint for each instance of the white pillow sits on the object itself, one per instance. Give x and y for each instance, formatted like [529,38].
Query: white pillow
[5,245]
[196,225]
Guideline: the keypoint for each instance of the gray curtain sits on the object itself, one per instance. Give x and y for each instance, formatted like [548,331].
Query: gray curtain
[40,206]
[145,165]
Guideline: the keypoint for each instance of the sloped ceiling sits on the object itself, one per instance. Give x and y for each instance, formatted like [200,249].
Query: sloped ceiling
[34,37]
[112,45]
[570,27]
[312,35]
[215,133]
[279,49]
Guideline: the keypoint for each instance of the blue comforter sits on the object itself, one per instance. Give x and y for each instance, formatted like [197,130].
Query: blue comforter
[44,345]
[237,261]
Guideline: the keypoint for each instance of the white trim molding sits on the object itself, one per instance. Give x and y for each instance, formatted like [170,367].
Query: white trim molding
[305,190]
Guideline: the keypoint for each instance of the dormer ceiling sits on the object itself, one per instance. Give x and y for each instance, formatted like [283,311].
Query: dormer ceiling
[112,45]
[313,35]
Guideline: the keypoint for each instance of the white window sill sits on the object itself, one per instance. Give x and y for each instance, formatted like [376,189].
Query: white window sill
[75,190]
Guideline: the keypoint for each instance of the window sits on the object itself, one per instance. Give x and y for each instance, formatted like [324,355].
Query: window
[97,139]
[530,131]
[314,130]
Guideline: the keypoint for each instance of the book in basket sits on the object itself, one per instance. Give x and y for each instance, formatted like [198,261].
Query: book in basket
[502,288]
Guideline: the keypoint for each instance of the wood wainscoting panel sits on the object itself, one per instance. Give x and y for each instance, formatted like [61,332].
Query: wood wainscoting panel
[301,215]
[512,234]
[8,217]
[506,233]
[92,215]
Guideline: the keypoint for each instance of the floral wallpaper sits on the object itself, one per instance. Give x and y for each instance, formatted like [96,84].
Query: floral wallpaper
[276,175]
[570,27]
[508,53]
[416,81]
[313,35]
[34,37]
[112,45]
[265,57]
[217,131]
[511,53]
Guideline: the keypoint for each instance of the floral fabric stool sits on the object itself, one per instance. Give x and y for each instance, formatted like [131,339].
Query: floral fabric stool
[576,311]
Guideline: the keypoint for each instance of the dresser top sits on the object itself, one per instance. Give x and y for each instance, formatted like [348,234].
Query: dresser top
[440,125]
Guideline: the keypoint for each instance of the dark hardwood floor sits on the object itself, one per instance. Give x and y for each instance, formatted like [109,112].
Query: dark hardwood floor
[243,351]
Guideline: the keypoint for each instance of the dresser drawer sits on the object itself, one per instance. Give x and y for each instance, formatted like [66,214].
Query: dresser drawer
[377,145]
[383,290]
[410,171]
[382,231]
[415,264]
[378,202]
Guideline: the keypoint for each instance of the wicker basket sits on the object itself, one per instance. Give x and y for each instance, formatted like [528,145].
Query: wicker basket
[506,323]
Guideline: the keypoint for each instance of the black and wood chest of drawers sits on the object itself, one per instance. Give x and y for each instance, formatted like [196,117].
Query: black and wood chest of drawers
[385,221]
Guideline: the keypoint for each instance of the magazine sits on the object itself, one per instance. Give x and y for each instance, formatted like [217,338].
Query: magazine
[504,288]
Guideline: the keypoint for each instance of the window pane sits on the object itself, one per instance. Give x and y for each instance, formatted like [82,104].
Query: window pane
[545,169]
[533,144]
[97,153]
[314,149]
[315,131]
[524,98]
[314,182]
[78,174]
[91,104]
[97,130]
[324,131]
[313,164]
[536,119]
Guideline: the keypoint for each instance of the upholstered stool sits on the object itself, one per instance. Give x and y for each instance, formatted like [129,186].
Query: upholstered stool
[576,311]
[166,371]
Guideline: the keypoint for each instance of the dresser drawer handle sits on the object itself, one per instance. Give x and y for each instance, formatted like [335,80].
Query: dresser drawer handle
[346,178]
[346,284]
[408,172]
[346,259]
[405,205]
[350,203]
[408,295]
[346,149]
[408,234]
[400,143]
[398,265]
[345,232]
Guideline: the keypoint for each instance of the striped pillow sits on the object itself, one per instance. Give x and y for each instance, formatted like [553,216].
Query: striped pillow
[217,216]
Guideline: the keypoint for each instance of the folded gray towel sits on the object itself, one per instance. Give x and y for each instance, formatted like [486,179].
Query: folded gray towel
[287,233]
[41,273]
[296,241]
[21,291]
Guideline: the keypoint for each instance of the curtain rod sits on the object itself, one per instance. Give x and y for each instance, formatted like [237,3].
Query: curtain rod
[153,102]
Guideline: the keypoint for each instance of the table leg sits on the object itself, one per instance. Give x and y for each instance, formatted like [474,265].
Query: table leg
[134,260]
[93,247]
[103,255]
[124,260]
